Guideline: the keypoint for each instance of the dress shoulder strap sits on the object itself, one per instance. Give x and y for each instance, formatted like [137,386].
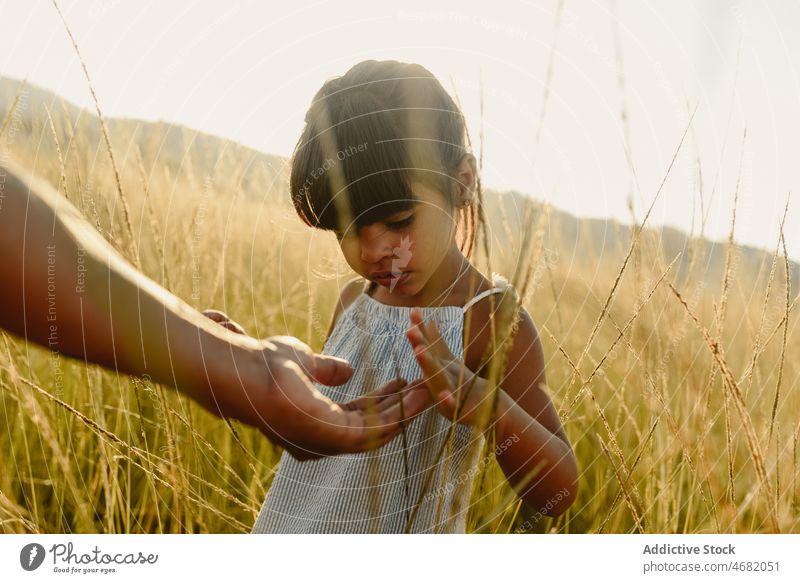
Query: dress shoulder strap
[482,295]
[502,287]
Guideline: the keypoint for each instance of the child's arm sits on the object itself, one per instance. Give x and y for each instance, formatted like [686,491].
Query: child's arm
[535,454]
[533,450]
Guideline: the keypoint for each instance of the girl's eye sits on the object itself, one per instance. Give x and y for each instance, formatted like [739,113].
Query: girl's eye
[401,224]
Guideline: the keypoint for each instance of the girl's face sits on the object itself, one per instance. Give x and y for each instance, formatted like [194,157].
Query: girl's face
[403,252]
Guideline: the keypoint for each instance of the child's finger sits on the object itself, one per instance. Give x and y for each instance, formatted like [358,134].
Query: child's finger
[437,342]
[433,373]
[416,337]
[426,355]
[417,343]
[414,329]
[416,316]
[437,348]
[433,367]
[429,333]
[417,333]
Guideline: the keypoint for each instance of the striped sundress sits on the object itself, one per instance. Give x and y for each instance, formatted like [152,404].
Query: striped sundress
[394,489]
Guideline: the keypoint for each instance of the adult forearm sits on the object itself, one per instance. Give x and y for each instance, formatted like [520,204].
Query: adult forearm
[539,465]
[64,287]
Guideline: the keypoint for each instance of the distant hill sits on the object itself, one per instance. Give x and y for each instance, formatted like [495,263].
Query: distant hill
[175,145]
[577,240]
[590,241]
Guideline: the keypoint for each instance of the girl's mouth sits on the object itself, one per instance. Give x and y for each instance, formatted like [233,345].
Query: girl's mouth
[390,279]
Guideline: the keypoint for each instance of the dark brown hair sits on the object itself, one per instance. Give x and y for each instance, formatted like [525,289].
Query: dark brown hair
[369,135]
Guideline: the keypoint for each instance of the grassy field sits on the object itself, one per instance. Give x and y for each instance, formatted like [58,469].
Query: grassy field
[679,391]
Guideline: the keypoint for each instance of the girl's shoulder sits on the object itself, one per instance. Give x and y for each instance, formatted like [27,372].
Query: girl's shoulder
[496,307]
[350,292]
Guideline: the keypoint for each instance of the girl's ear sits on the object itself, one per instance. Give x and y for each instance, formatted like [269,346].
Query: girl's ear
[466,178]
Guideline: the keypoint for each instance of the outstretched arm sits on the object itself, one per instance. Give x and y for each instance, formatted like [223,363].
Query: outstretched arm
[64,287]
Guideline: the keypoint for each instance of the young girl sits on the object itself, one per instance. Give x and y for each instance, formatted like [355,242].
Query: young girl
[383,163]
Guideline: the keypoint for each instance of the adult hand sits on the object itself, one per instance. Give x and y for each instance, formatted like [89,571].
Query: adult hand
[305,422]
[58,271]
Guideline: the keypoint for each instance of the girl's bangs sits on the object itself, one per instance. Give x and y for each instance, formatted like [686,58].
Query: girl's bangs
[357,171]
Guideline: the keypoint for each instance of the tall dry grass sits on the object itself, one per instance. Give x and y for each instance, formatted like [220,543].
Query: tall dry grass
[639,366]
[679,392]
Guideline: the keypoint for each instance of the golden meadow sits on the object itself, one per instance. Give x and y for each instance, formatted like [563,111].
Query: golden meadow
[673,361]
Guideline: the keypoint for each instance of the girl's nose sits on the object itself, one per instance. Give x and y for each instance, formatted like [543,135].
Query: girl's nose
[376,246]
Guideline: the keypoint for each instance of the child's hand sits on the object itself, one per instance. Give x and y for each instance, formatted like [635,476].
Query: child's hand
[223,320]
[457,392]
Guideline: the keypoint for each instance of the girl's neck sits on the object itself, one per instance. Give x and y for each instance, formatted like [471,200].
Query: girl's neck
[453,282]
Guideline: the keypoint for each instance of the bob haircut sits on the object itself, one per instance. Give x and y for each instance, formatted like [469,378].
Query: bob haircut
[368,136]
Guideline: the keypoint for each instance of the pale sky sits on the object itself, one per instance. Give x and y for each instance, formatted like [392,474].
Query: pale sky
[247,70]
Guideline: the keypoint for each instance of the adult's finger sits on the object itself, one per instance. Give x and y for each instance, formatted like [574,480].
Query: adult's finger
[234,327]
[223,320]
[409,397]
[390,388]
[215,315]
[416,399]
[379,429]
[375,398]
[330,370]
